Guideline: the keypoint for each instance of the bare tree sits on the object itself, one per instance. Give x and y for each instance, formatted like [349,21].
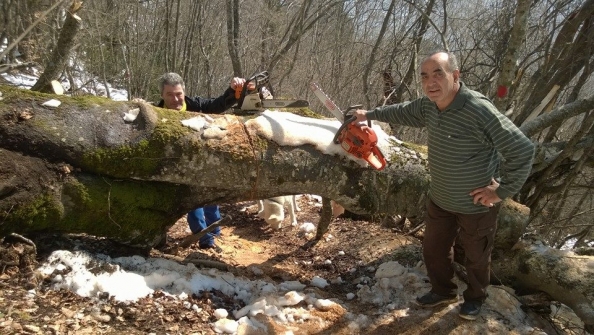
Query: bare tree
[14,41]
[62,50]
[509,64]
[233,35]
[374,50]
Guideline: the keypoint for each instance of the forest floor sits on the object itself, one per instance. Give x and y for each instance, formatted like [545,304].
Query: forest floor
[248,248]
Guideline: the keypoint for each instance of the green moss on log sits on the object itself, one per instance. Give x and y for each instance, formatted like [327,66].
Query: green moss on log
[123,210]
[144,158]
[416,147]
[125,161]
[39,214]
[11,94]
[306,112]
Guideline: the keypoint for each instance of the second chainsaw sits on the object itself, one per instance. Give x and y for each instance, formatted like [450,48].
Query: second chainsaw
[250,101]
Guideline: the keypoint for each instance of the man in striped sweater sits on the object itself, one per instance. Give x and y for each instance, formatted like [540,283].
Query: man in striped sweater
[471,144]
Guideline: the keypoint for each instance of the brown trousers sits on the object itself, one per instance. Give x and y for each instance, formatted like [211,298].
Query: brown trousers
[475,233]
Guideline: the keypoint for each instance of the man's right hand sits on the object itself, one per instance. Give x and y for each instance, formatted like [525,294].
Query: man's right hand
[239,82]
[360,114]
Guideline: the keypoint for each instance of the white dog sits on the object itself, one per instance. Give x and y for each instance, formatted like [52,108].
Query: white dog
[272,210]
[337,209]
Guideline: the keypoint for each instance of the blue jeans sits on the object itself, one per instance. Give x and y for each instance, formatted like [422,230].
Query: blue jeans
[202,217]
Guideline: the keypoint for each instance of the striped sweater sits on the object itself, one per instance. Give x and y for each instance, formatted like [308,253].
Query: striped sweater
[469,143]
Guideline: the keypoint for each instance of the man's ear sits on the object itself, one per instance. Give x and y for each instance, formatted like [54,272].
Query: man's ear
[456,74]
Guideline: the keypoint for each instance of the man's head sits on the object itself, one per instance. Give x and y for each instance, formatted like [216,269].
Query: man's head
[440,78]
[171,86]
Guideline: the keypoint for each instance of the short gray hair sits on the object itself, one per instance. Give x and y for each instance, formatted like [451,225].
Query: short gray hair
[452,60]
[170,79]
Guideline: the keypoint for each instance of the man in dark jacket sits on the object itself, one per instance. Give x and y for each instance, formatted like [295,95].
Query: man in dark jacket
[171,86]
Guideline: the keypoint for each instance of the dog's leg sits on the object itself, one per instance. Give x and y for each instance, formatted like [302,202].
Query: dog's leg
[261,209]
[336,209]
[294,200]
[274,213]
[291,203]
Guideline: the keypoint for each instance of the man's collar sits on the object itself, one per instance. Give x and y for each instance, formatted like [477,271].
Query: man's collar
[460,98]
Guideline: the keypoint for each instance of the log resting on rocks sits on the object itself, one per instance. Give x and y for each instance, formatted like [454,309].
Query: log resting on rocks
[129,171]
[81,167]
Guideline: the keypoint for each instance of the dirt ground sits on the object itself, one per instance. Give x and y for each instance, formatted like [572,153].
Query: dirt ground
[249,248]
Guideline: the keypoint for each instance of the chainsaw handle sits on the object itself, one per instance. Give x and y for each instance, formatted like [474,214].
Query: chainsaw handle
[353,107]
[348,121]
[259,79]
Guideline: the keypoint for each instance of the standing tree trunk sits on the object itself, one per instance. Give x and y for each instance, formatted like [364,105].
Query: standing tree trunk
[62,50]
[417,37]
[233,35]
[509,68]
[371,60]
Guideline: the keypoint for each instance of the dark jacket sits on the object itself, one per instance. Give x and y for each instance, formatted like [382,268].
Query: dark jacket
[209,105]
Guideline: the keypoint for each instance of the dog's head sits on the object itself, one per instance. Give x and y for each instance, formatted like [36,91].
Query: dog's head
[275,223]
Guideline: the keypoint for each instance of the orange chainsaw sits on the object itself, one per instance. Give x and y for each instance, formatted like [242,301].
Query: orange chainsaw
[357,139]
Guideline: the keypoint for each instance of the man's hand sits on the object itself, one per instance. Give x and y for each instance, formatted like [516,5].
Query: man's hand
[360,114]
[239,82]
[486,196]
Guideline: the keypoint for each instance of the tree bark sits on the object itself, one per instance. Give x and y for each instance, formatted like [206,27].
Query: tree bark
[232,7]
[509,65]
[94,172]
[568,55]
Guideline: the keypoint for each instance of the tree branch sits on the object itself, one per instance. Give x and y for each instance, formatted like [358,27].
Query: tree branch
[558,115]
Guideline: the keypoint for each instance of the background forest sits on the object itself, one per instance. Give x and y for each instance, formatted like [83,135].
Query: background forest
[533,58]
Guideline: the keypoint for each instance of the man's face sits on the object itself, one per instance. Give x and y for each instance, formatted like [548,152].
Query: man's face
[440,84]
[173,96]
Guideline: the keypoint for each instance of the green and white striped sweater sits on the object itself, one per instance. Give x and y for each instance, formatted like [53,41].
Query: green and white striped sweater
[465,141]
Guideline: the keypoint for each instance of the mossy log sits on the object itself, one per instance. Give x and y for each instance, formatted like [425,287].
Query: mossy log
[80,167]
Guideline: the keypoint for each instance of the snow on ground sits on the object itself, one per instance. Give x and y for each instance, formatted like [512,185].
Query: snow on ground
[392,287]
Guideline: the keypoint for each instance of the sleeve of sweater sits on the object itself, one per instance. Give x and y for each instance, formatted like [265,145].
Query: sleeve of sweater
[408,113]
[212,105]
[516,150]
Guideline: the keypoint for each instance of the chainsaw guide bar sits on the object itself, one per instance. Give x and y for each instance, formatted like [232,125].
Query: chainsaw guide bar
[260,98]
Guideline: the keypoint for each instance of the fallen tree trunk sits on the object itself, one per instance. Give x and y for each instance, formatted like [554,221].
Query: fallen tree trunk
[565,276]
[81,167]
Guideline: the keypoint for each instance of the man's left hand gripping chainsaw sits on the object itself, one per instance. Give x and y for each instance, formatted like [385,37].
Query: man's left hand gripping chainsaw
[250,101]
[356,139]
